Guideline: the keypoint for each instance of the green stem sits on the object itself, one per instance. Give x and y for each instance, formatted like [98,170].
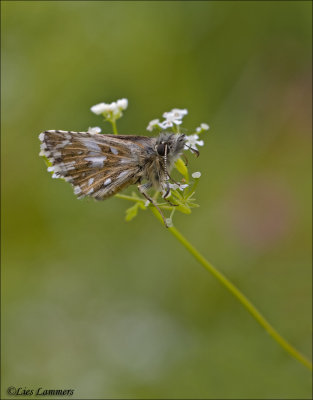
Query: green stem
[125,197]
[137,199]
[113,122]
[238,294]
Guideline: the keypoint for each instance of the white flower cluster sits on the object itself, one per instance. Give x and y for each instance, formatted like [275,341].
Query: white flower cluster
[113,109]
[173,117]
[192,141]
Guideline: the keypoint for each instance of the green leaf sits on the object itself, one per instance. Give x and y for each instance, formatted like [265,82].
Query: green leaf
[181,168]
[193,205]
[141,205]
[183,208]
[132,212]
[176,194]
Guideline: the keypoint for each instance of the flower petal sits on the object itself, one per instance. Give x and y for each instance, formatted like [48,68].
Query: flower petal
[94,129]
[99,108]
[196,175]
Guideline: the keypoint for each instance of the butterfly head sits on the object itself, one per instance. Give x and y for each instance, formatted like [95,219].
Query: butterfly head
[170,145]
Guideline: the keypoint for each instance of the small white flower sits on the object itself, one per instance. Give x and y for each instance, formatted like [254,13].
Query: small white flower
[179,113]
[174,186]
[170,120]
[203,127]
[167,114]
[99,108]
[182,187]
[94,129]
[113,108]
[173,117]
[165,124]
[152,124]
[122,104]
[196,175]
[192,141]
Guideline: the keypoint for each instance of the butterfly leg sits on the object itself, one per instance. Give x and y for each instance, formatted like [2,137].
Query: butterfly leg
[141,189]
[167,192]
[169,177]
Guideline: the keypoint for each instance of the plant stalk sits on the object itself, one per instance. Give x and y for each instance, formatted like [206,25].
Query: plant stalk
[238,294]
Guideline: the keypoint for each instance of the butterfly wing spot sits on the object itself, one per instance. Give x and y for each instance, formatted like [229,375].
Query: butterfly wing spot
[114,150]
[57,154]
[122,174]
[66,178]
[63,144]
[96,162]
[91,145]
[77,190]
[90,182]
[124,161]
[62,167]
[107,182]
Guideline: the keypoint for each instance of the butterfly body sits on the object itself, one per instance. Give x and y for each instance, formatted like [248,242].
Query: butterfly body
[100,165]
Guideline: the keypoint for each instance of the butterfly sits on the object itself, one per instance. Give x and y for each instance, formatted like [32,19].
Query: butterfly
[100,166]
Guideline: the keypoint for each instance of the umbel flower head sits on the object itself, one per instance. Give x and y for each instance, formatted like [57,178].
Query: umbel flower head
[174,118]
[181,193]
[178,194]
[171,118]
[111,111]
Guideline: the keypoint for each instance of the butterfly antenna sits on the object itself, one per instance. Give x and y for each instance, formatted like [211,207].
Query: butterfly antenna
[165,163]
[195,151]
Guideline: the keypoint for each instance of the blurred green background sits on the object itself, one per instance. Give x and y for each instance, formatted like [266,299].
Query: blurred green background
[121,310]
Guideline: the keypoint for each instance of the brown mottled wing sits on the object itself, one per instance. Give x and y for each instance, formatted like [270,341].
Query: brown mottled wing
[96,165]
